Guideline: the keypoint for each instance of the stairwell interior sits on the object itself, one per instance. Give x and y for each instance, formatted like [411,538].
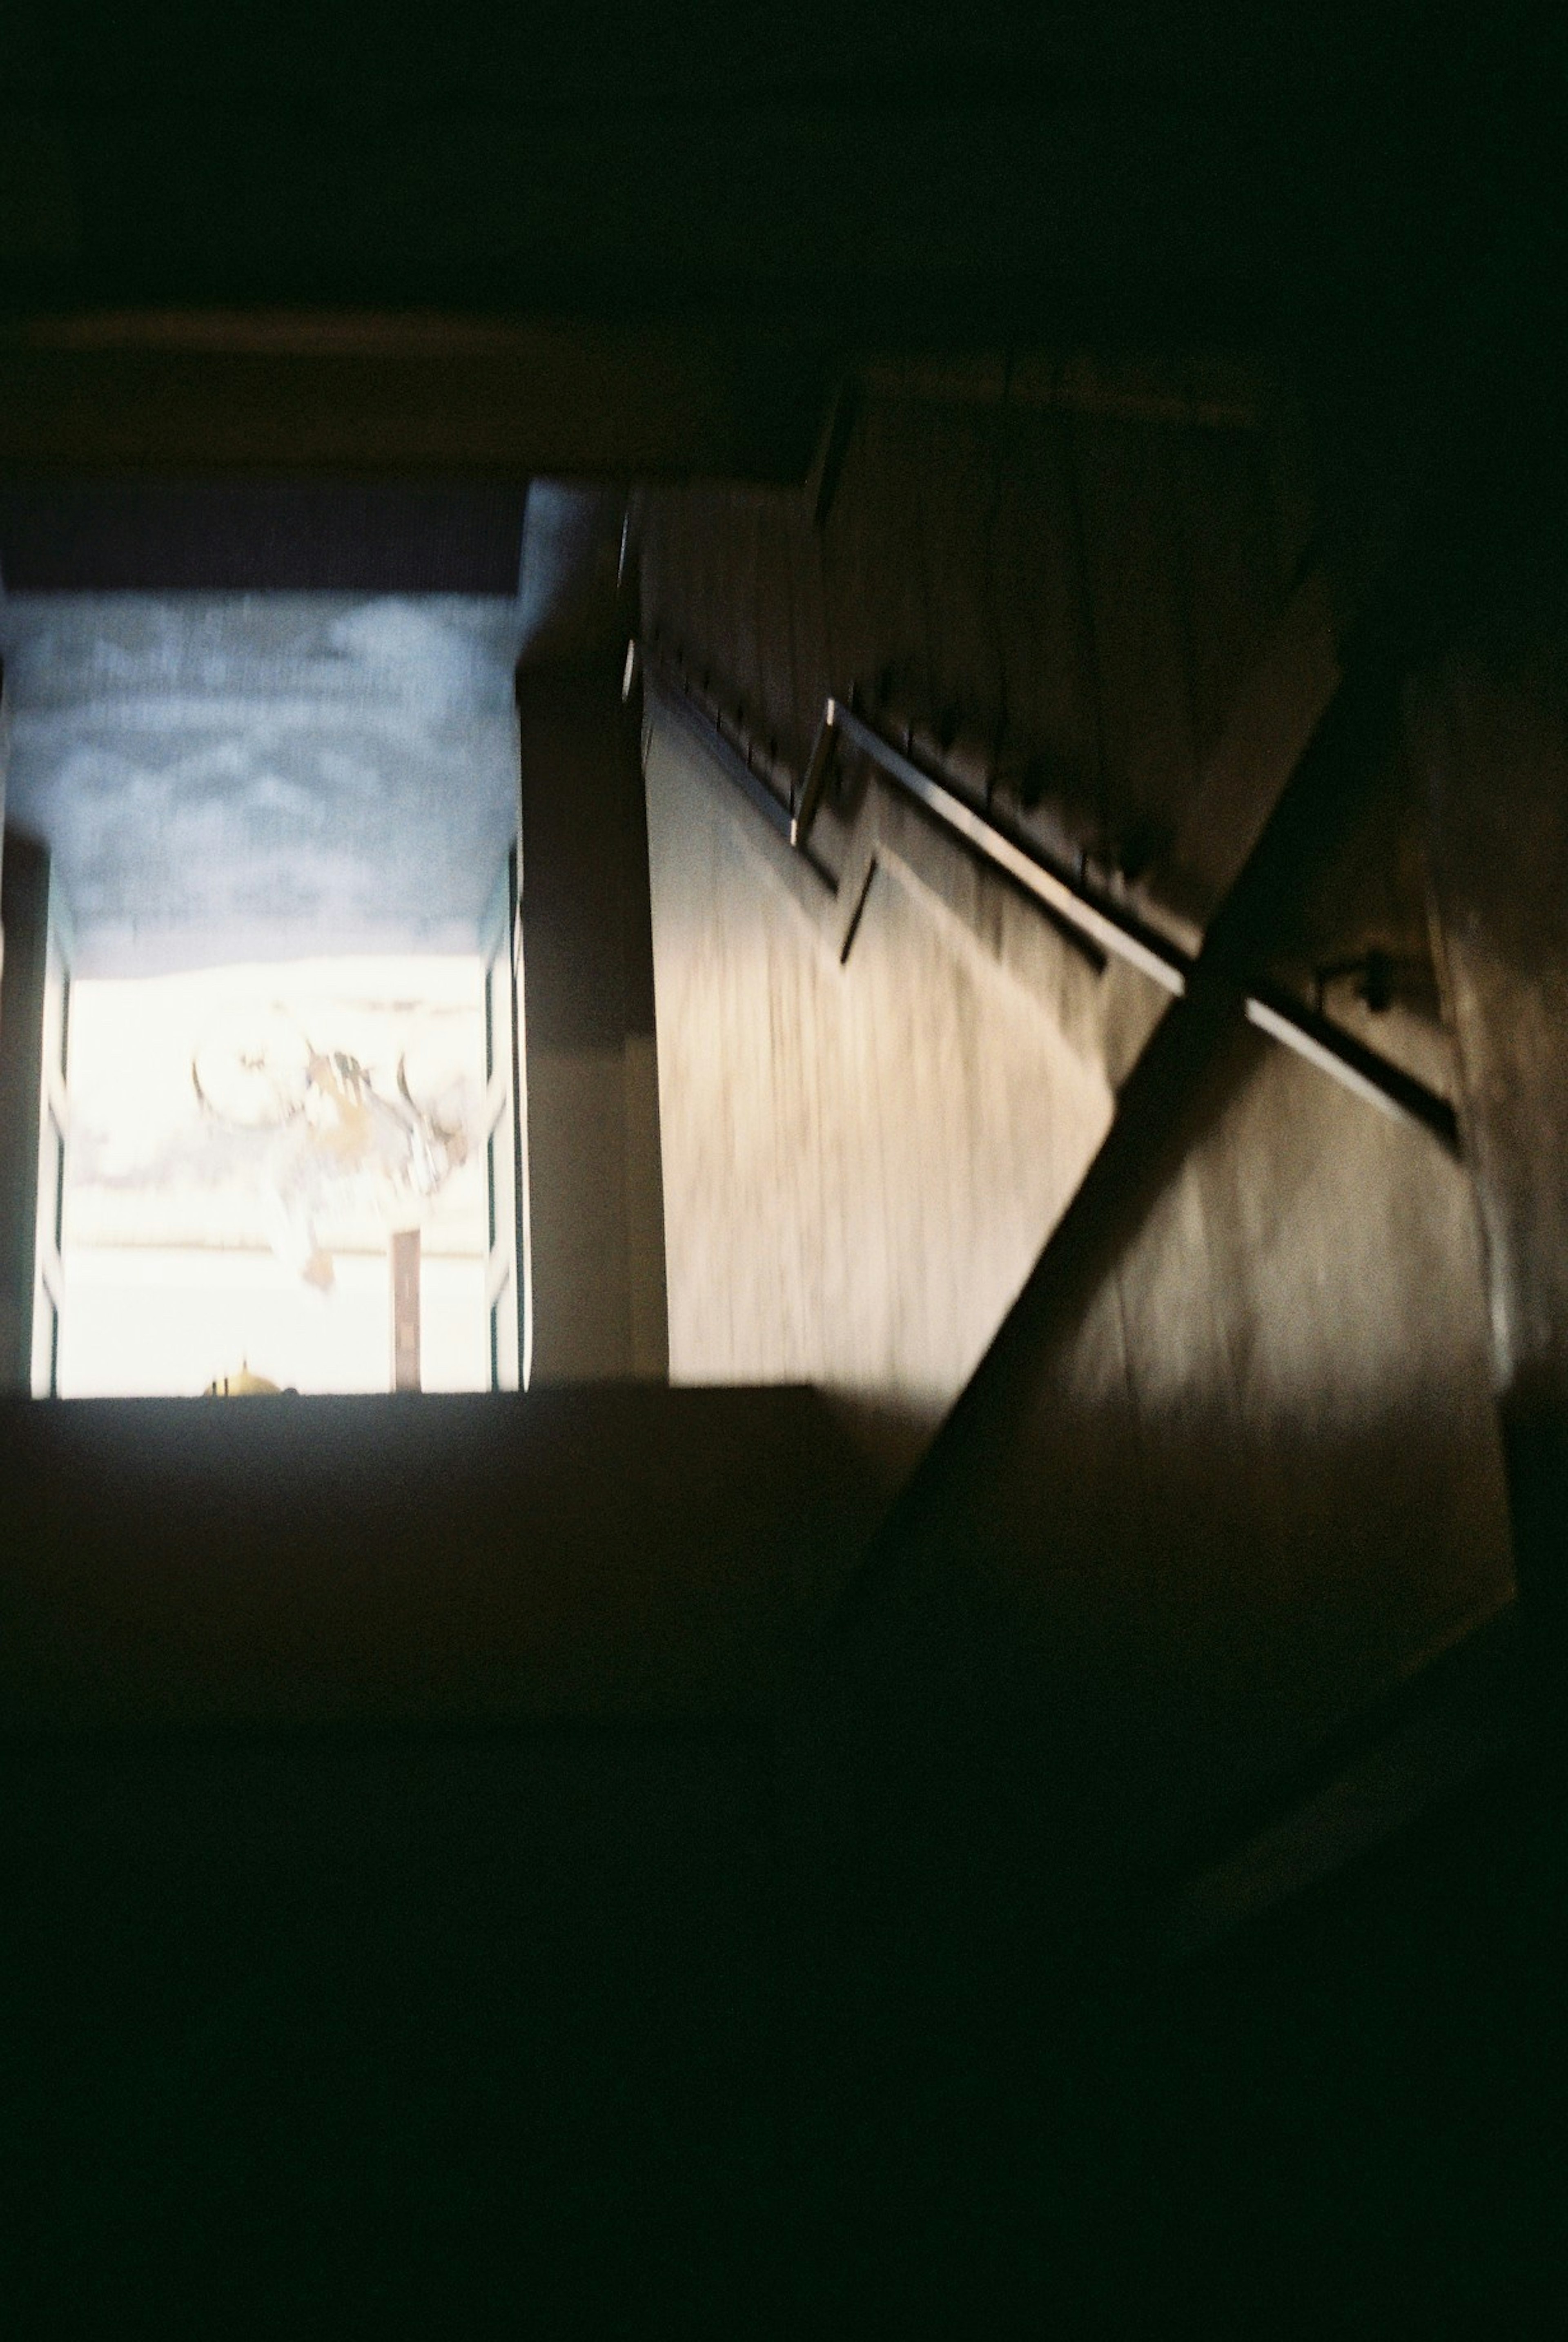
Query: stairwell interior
[905,1772]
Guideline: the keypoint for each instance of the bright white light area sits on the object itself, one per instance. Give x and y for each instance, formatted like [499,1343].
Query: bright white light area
[242,1142]
[150,1322]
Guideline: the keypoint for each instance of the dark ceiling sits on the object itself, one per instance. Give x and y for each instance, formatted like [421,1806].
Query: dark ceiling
[505,56]
[742,200]
[276,535]
[906,167]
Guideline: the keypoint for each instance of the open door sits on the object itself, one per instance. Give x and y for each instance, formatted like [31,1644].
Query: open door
[506,1267]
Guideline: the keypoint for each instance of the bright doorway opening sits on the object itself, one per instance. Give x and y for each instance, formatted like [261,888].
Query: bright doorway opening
[276,844]
[245,1145]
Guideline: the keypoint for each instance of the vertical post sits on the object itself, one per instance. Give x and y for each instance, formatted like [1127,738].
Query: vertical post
[404,1255]
[593,1181]
[25,914]
[49,1269]
[506,1265]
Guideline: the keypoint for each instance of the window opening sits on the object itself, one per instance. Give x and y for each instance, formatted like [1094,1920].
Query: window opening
[279,1136]
[249,1147]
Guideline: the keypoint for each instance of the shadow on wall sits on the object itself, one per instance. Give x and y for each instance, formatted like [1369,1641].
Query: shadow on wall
[1220,1486]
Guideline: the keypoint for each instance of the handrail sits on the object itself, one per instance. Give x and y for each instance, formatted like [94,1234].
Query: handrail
[1110,927]
[1105,924]
[703,722]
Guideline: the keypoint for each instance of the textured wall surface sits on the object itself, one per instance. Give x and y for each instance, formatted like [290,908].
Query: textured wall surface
[1059,579]
[1231,1473]
[861,1161]
[228,776]
[1269,1425]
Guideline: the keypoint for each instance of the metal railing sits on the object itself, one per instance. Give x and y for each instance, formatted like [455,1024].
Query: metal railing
[1107,926]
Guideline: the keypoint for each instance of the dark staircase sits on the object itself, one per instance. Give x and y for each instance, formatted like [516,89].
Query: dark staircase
[388,2020]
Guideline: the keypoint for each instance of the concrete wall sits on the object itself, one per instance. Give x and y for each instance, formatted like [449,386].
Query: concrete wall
[591,1083]
[1059,576]
[1267,1433]
[861,1159]
[1488,729]
[1231,1470]
[603,1552]
[591,1103]
[1231,1473]
[591,1086]
[1066,586]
